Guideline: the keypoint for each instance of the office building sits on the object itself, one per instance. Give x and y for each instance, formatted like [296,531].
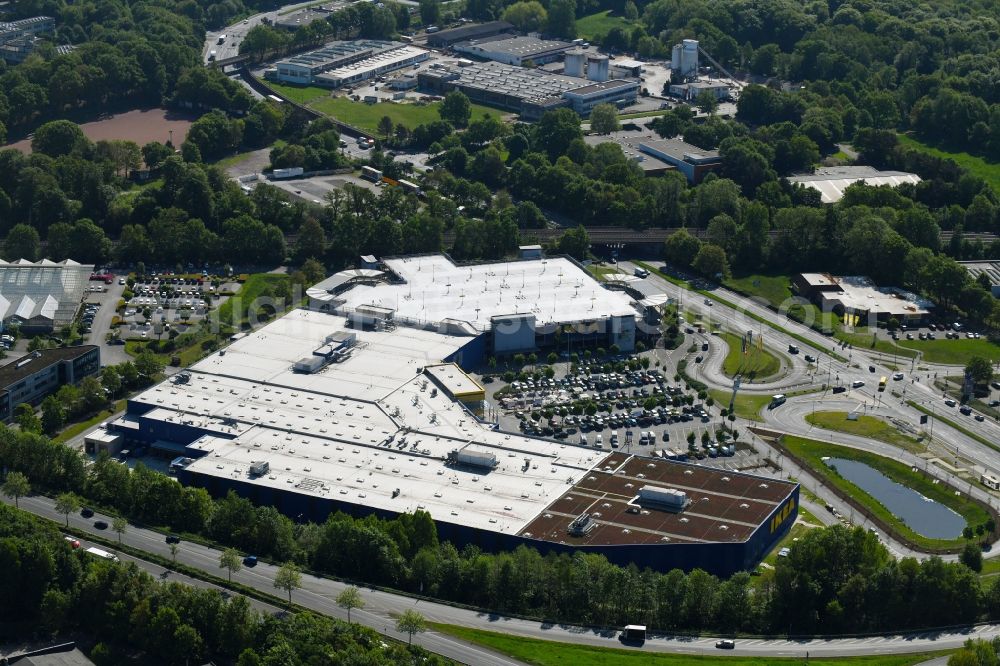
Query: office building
[33,377]
[690,160]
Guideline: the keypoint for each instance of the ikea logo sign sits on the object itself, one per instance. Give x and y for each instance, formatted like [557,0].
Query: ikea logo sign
[782,514]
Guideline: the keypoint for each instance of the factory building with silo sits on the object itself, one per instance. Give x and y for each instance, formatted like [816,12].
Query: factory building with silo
[342,407]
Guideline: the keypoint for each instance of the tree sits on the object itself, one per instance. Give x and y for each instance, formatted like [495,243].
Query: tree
[575,243]
[22,243]
[53,415]
[174,548]
[562,18]
[59,137]
[707,102]
[288,578]
[526,16]
[25,417]
[385,127]
[604,119]
[456,108]
[711,261]
[16,485]
[349,599]
[411,622]
[680,248]
[972,556]
[980,370]
[430,12]
[119,524]
[148,365]
[231,561]
[67,503]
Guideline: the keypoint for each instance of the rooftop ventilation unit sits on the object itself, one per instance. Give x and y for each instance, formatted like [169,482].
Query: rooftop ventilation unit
[582,525]
[471,458]
[259,468]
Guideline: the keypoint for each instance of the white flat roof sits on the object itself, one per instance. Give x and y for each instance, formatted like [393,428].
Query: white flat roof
[453,379]
[360,429]
[859,293]
[555,290]
[831,182]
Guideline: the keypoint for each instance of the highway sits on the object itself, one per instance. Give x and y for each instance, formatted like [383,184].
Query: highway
[380,607]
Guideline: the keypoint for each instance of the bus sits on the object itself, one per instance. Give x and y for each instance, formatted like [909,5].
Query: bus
[882,382]
[990,481]
[372,174]
[103,554]
[776,400]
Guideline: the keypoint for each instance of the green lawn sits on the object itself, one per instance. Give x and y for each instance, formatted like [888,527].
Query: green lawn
[299,94]
[954,352]
[755,364]
[75,429]
[366,116]
[254,286]
[747,405]
[865,426]
[594,27]
[811,452]
[775,289]
[550,653]
[977,166]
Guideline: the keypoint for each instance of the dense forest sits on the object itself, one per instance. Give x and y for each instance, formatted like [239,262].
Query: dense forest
[835,580]
[126,616]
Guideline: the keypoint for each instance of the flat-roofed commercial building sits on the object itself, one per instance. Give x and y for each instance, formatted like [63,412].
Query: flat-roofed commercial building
[831,182]
[32,378]
[514,50]
[529,92]
[446,38]
[340,63]
[859,298]
[692,161]
[690,91]
[377,431]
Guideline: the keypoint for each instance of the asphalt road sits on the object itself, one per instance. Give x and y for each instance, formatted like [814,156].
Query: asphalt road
[318,593]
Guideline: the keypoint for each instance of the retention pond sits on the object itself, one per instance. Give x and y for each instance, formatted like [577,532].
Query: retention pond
[922,515]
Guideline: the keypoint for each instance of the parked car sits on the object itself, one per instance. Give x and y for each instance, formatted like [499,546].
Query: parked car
[101,524]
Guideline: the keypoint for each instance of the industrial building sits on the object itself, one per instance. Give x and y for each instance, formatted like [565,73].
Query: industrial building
[831,182]
[18,38]
[690,160]
[343,63]
[384,429]
[859,300]
[529,92]
[514,50]
[32,378]
[684,60]
[690,91]
[41,296]
[626,68]
[510,307]
[991,269]
[629,141]
[446,38]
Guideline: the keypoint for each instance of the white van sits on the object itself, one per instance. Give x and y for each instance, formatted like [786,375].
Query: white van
[583,439]
[599,442]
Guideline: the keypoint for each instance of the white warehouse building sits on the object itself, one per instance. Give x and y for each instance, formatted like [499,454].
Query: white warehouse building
[512,306]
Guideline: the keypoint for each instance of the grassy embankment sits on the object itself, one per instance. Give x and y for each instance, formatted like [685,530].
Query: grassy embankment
[866,426]
[977,166]
[550,653]
[811,452]
[756,364]
[594,27]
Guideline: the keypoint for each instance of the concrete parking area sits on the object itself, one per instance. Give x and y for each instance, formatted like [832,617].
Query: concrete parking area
[314,190]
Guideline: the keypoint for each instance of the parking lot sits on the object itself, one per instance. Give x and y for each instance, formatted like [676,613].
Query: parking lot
[934,331]
[638,408]
[164,303]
